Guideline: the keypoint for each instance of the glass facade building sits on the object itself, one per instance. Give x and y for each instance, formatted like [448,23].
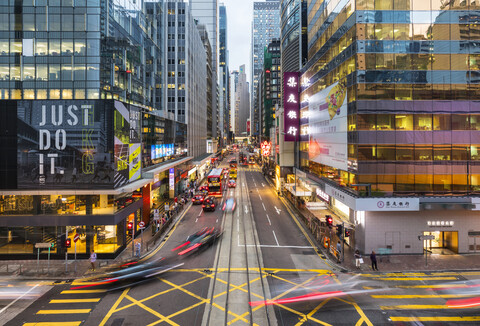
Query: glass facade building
[266,27]
[408,71]
[271,84]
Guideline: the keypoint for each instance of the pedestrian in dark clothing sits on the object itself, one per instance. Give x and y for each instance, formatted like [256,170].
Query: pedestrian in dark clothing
[373,258]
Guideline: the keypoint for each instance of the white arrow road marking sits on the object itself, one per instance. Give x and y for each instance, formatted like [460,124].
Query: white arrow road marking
[268,218]
[264,207]
[246,209]
[278,210]
[278,245]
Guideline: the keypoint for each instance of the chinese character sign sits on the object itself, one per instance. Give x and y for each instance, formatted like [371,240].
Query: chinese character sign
[291,106]
[266,148]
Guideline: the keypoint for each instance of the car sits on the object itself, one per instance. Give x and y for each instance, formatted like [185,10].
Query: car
[198,198]
[199,240]
[229,205]
[232,183]
[209,204]
[202,188]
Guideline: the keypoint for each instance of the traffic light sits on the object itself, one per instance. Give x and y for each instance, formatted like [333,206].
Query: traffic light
[329,220]
[68,243]
[339,230]
[61,241]
[129,228]
[347,233]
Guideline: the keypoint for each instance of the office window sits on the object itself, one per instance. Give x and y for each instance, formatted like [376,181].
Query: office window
[4,47]
[423,121]
[41,47]
[442,152]
[423,153]
[404,122]
[441,122]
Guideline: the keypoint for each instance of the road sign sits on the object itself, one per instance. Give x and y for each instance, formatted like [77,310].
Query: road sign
[141,225]
[43,245]
[426,237]
[76,237]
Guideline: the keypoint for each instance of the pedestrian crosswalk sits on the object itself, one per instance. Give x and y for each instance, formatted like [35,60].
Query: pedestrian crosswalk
[425,297]
[65,307]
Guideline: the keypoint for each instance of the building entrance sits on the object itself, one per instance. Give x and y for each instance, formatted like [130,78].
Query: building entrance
[444,243]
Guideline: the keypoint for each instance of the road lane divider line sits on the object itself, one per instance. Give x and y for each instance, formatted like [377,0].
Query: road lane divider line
[268,218]
[260,197]
[63,311]
[264,207]
[74,300]
[401,279]
[60,323]
[196,220]
[436,318]
[82,291]
[435,286]
[276,240]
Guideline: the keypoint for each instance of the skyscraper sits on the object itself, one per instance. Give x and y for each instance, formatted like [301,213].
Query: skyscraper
[206,12]
[224,78]
[266,26]
[242,104]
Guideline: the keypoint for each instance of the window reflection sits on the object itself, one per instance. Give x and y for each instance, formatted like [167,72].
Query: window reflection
[441,122]
[423,121]
[385,122]
[54,47]
[41,47]
[423,153]
[442,152]
[366,121]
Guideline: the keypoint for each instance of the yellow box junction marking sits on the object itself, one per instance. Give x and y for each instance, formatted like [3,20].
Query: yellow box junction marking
[440,319]
[63,311]
[49,323]
[75,300]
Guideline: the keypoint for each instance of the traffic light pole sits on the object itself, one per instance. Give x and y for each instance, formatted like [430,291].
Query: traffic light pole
[66,261]
[343,241]
[133,238]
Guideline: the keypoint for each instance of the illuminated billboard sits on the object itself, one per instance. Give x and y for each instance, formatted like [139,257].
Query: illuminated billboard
[291,106]
[163,150]
[327,114]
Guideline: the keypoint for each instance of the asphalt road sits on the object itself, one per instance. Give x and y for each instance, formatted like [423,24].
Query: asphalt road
[265,256]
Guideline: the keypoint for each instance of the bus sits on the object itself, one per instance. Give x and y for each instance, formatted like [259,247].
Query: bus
[251,159]
[215,181]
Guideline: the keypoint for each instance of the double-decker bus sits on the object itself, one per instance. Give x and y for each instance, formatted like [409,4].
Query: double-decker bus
[215,181]
[251,159]
[233,169]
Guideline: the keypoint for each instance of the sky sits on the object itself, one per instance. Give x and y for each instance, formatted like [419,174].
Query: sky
[239,30]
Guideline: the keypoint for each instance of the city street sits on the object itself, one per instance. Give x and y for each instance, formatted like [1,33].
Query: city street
[264,254]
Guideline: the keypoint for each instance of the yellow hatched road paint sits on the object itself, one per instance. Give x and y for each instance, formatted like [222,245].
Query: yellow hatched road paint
[49,323]
[436,286]
[414,307]
[82,291]
[444,319]
[422,296]
[75,300]
[115,305]
[63,311]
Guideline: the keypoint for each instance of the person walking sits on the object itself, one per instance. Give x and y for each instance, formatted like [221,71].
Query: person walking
[93,259]
[339,251]
[358,258]
[373,258]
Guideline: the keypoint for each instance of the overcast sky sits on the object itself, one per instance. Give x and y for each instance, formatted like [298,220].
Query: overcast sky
[239,20]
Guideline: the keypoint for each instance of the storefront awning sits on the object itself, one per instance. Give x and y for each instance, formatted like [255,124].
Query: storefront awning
[297,190]
[202,159]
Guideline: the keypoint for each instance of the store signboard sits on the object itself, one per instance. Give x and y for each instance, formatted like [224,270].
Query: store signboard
[171,179]
[63,144]
[291,104]
[388,204]
[341,196]
[162,150]
[327,115]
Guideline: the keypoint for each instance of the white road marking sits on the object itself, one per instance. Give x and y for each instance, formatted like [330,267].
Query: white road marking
[246,209]
[268,218]
[11,303]
[196,220]
[278,245]
[238,225]
[264,207]
[200,214]
[221,202]
[263,185]
[278,210]
[216,221]
[275,246]
[260,197]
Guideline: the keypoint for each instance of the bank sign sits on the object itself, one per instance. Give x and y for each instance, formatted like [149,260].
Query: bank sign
[291,105]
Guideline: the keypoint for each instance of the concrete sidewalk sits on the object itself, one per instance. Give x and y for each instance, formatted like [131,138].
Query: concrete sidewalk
[392,263]
[58,270]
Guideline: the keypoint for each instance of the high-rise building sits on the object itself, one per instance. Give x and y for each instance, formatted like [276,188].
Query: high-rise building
[269,87]
[233,94]
[242,104]
[293,36]
[208,49]
[186,75]
[266,26]
[206,12]
[224,78]
[83,133]
[389,121]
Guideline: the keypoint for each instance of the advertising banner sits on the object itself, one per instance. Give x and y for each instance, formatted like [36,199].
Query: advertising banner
[63,144]
[327,116]
[291,104]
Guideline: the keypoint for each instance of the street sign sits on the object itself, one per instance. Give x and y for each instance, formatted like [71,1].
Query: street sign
[141,225]
[426,237]
[43,245]
[76,237]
